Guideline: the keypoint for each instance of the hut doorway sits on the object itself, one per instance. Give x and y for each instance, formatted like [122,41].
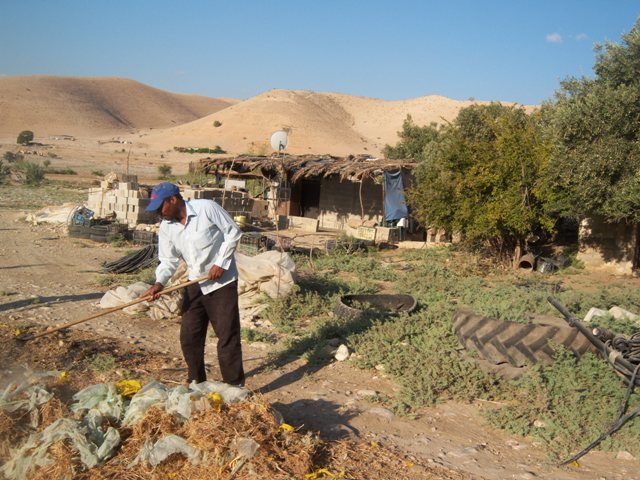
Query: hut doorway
[310,197]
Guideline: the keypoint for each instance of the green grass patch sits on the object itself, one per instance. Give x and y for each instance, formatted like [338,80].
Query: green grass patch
[102,362]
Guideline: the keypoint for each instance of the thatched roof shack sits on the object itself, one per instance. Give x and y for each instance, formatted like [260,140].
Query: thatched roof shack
[296,167]
[339,193]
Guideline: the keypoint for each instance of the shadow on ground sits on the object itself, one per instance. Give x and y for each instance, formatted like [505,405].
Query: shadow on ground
[39,301]
[322,416]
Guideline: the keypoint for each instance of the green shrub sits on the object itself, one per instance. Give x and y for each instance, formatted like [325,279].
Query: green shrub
[422,354]
[25,137]
[164,170]
[97,173]
[217,123]
[4,172]
[46,162]
[568,404]
[216,149]
[253,335]
[62,171]
[34,173]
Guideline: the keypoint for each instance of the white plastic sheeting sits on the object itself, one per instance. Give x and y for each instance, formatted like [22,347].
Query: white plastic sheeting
[100,402]
[270,273]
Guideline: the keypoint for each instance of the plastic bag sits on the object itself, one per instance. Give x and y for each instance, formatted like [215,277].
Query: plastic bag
[34,451]
[102,397]
[229,393]
[151,394]
[157,453]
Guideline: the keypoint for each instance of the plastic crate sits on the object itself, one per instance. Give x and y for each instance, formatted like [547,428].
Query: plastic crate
[143,237]
[251,243]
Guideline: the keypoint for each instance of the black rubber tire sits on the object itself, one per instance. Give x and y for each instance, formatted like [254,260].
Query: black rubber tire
[390,303]
[517,344]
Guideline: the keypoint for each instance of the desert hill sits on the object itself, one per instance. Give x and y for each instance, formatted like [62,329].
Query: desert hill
[94,106]
[317,123]
[156,120]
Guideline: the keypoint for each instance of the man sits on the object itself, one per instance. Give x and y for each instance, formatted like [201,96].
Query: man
[205,236]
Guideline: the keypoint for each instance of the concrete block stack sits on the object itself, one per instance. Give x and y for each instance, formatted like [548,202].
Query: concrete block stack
[235,202]
[124,200]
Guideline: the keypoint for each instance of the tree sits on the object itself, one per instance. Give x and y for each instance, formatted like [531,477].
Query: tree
[480,177]
[595,126]
[413,140]
[25,137]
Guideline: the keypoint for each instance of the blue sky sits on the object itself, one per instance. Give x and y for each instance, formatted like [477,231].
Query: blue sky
[397,49]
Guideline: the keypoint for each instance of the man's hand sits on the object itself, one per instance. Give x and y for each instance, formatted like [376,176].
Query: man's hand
[215,272]
[154,291]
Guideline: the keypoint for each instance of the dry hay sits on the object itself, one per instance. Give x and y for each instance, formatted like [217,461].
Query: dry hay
[281,454]
[15,427]
[63,463]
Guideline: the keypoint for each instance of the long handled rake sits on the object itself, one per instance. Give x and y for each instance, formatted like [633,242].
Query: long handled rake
[27,336]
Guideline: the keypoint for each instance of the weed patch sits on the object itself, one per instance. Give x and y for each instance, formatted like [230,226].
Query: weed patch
[569,404]
[102,362]
[422,353]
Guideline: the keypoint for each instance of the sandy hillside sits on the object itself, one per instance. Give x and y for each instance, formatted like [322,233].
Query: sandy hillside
[94,106]
[156,121]
[318,123]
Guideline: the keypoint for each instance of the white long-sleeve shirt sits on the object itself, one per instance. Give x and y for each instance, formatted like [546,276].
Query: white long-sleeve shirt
[208,238]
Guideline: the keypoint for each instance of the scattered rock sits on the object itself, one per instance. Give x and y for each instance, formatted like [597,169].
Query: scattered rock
[384,413]
[366,393]
[539,424]
[624,455]
[342,354]
[463,453]
[340,430]
[379,367]
[593,312]
[525,475]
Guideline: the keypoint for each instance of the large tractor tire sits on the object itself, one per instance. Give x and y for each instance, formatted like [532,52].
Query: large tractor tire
[517,344]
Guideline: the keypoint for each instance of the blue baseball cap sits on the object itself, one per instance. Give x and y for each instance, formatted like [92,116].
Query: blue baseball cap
[160,193]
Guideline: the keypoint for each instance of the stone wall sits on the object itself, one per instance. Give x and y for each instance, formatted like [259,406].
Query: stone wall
[608,246]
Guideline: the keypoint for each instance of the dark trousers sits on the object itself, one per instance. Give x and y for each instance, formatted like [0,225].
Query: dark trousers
[219,307]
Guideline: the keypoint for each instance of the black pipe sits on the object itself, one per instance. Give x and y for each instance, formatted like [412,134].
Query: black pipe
[574,322]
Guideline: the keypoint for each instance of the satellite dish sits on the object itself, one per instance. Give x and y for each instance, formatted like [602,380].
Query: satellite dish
[279,140]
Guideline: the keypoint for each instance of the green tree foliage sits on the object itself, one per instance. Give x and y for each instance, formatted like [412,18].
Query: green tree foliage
[595,124]
[25,137]
[413,140]
[480,177]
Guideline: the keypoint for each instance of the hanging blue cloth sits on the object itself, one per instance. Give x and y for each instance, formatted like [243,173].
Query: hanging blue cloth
[395,206]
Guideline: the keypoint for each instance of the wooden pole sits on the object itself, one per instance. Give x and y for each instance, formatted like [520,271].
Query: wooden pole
[110,310]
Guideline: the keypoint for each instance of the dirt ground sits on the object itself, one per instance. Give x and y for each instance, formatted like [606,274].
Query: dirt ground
[48,278]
